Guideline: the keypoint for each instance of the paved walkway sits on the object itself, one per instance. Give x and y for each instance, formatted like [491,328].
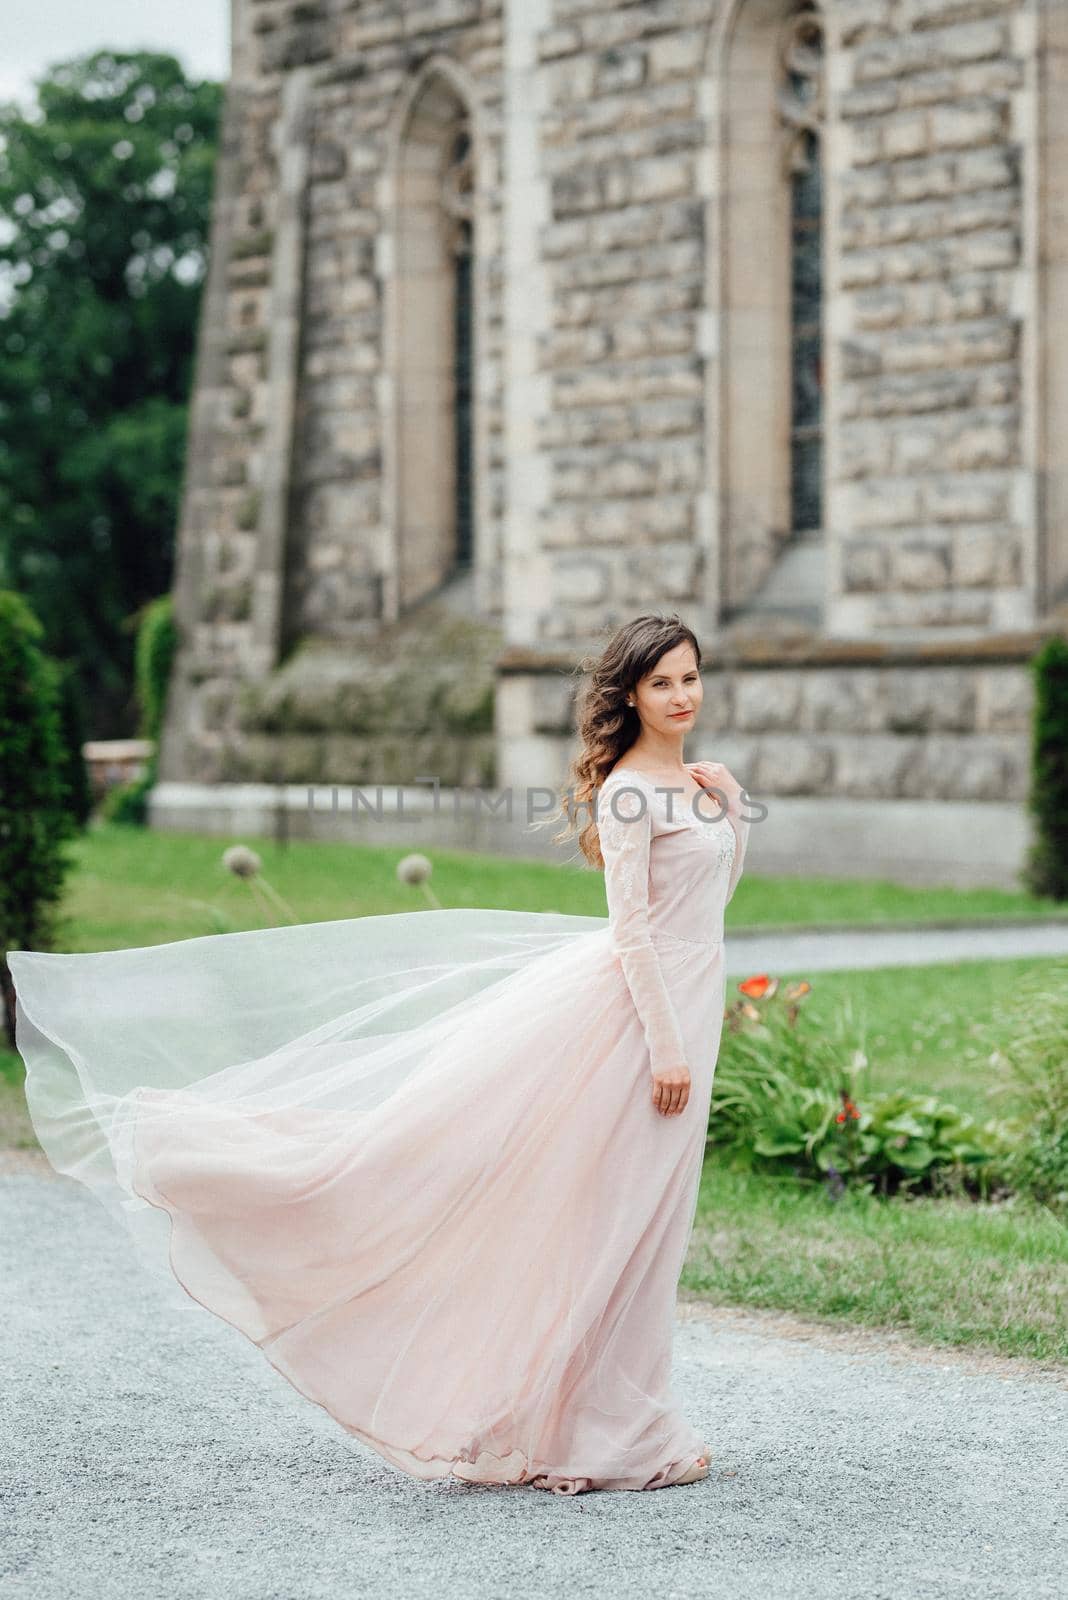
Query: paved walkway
[828,950]
[150,1451]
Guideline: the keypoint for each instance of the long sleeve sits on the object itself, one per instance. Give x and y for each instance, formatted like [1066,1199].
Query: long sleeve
[624,826]
[741,826]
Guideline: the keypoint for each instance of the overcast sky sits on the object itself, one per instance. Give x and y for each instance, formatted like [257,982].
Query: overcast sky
[35,33]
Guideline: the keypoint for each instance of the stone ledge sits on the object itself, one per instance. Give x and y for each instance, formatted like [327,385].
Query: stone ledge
[793,653]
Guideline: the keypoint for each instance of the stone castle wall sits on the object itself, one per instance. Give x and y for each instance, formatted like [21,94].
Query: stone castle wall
[286,511]
[629,395]
[939,484]
[933,430]
[838,720]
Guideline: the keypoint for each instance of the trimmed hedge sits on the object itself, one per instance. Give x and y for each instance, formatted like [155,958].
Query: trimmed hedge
[35,812]
[1047,868]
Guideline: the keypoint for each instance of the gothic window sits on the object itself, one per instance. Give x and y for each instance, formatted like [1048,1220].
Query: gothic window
[802,107]
[766,399]
[457,200]
[430,351]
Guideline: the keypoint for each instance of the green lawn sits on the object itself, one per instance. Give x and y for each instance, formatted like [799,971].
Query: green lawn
[934,1029]
[983,1276]
[986,1277]
[820,902]
[132,887]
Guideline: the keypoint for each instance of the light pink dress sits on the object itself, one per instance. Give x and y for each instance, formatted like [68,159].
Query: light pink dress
[415,1158]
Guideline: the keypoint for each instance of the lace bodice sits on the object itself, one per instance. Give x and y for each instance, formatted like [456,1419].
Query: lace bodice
[670,869]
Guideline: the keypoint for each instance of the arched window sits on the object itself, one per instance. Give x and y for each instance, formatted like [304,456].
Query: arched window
[802,110]
[457,199]
[765,400]
[430,356]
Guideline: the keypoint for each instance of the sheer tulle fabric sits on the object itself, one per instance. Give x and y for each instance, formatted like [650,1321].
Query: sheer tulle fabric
[415,1157]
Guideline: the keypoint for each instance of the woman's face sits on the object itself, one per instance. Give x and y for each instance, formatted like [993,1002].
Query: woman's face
[669,698]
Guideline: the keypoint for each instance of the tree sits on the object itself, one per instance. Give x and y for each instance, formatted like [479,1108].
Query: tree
[35,814]
[105,202]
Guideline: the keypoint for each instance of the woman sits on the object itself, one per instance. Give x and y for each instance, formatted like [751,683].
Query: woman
[441,1167]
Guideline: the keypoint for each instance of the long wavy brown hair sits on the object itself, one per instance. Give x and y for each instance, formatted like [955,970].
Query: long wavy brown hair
[607,726]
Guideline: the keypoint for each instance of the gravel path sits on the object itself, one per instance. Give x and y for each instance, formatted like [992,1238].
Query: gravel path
[149,1450]
[841,951]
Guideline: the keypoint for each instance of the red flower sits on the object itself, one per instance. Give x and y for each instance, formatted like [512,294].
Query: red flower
[756,987]
[850,1110]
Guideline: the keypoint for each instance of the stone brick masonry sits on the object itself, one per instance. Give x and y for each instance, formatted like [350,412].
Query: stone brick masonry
[631,385]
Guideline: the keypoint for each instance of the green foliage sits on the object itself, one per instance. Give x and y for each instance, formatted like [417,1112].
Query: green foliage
[105,201]
[940,1269]
[786,1094]
[1032,1050]
[157,640]
[35,817]
[1047,870]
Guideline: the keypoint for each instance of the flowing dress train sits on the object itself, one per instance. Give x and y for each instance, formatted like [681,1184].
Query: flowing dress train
[415,1157]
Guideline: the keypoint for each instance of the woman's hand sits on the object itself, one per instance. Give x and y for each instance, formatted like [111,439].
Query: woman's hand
[671,1090]
[715,776]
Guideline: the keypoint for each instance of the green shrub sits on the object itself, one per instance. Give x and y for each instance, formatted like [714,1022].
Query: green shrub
[157,640]
[35,818]
[1047,868]
[786,1095]
[1030,1039]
